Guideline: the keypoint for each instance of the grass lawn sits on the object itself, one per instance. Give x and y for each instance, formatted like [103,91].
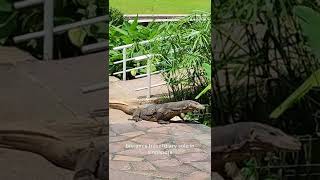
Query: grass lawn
[160,6]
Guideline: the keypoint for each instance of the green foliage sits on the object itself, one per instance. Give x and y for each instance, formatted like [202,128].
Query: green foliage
[309,20]
[299,93]
[207,68]
[249,171]
[18,22]
[6,18]
[77,36]
[310,23]
[258,42]
[116,17]
[263,54]
[130,33]
[182,52]
[5,6]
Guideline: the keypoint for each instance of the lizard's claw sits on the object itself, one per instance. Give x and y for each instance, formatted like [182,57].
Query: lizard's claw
[138,119]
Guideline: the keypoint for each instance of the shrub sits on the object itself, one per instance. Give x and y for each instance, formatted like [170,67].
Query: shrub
[18,22]
[116,16]
[130,33]
[184,56]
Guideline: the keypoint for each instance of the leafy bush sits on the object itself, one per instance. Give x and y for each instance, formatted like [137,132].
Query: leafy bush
[18,22]
[261,57]
[207,68]
[184,55]
[116,17]
[309,20]
[130,33]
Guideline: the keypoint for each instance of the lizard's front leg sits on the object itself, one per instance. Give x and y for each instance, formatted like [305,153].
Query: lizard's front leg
[136,116]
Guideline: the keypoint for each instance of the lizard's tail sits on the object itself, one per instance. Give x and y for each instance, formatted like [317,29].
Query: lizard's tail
[50,147]
[122,106]
[25,140]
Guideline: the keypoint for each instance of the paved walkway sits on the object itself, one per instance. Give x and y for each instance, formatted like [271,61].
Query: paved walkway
[124,90]
[46,97]
[148,150]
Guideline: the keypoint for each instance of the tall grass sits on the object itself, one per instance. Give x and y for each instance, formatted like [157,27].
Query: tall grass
[182,54]
[261,56]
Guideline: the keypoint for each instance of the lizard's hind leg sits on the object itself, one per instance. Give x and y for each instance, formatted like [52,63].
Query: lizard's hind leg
[136,116]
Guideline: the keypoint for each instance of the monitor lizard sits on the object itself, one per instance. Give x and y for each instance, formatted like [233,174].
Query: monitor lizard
[240,141]
[161,113]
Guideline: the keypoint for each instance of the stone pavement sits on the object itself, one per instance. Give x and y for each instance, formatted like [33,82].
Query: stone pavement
[148,150]
[124,90]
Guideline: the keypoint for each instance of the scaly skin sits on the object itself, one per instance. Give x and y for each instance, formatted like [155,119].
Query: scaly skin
[161,113]
[60,153]
[239,141]
[51,148]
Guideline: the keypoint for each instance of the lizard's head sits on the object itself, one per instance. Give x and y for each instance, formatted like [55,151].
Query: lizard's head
[192,105]
[271,138]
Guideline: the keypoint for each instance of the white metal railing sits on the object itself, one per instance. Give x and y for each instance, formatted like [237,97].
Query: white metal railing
[147,57]
[48,26]
[154,20]
[156,16]
[26,3]
[141,58]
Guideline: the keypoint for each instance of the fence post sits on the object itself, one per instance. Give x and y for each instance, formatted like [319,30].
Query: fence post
[124,64]
[48,24]
[149,78]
